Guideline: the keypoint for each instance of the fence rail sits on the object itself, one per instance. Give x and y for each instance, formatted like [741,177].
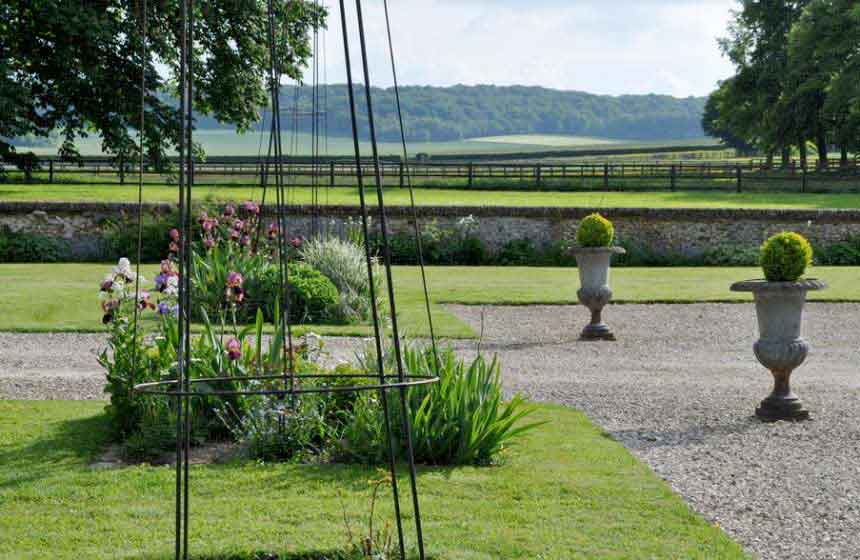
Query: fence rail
[751,175]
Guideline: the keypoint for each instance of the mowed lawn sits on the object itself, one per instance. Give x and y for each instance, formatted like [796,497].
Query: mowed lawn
[444,197]
[566,491]
[64,297]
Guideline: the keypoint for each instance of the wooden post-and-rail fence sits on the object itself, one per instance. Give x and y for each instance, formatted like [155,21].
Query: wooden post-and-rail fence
[646,175]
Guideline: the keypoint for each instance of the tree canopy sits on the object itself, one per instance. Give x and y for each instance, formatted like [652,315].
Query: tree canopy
[74,68]
[796,67]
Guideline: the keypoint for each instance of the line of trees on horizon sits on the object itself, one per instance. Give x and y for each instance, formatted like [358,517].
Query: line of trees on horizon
[796,81]
[435,114]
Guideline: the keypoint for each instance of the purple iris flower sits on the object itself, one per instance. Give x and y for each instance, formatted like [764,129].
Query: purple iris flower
[251,208]
[234,349]
[165,309]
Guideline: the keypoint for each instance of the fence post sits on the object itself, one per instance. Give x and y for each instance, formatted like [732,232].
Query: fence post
[803,181]
[739,175]
[606,176]
[51,171]
[538,175]
[331,174]
[672,178]
[471,174]
[121,170]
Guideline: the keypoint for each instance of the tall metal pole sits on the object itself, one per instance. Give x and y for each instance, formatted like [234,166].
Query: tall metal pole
[380,360]
[183,273]
[386,248]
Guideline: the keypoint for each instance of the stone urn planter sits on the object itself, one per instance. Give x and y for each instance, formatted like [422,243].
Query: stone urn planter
[780,347]
[594,292]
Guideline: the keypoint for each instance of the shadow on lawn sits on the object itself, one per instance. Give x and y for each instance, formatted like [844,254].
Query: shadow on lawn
[70,444]
[311,555]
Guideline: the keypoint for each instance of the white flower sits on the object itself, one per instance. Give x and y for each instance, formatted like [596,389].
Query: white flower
[123,265]
[171,288]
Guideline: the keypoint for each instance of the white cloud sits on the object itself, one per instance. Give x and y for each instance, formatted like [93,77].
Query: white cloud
[612,47]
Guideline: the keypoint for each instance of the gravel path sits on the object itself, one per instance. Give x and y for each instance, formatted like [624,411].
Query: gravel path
[679,389]
[51,366]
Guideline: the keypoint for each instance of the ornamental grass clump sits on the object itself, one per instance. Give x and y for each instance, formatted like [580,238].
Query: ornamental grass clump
[345,263]
[463,419]
[785,257]
[595,231]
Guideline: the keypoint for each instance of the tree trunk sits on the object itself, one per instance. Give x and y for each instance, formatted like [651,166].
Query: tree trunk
[843,156]
[802,146]
[769,163]
[821,143]
[785,156]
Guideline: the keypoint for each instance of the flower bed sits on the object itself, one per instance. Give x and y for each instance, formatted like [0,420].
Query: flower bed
[237,280]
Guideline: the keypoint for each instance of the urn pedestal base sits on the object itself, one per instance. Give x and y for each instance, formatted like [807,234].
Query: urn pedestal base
[782,403]
[597,329]
[774,409]
[597,332]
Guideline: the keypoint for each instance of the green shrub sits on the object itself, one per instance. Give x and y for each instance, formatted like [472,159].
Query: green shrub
[843,253]
[20,247]
[461,420]
[120,238]
[641,254]
[785,256]
[518,252]
[345,264]
[595,231]
[404,249]
[458,245]
[313,297]
[558,254]
[730,256]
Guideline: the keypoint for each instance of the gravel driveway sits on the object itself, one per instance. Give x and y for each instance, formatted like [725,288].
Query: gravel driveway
[678,389]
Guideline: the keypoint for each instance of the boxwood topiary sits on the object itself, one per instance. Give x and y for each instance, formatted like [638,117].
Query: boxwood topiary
[595,231]
[785,256]
[313,296]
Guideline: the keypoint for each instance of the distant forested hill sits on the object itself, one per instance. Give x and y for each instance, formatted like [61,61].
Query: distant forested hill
[454,113]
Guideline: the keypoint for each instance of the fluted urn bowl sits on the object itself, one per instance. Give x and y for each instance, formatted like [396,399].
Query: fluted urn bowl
[594,292]
[781,347]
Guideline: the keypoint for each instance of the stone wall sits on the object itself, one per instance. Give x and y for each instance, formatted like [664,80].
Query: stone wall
[677,231]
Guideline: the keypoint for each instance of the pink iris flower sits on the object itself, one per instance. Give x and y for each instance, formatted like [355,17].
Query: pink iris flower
[234,349]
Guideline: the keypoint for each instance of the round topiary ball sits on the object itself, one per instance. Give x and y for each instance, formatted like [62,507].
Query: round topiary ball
[313,296]
[595,231]
[785,256]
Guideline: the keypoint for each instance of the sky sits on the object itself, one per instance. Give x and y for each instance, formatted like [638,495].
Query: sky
[599,46]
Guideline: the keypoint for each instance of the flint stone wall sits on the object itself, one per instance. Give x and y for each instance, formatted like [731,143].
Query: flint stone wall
[665,231]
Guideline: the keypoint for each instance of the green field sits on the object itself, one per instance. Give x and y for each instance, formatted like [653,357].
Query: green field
[252,143]
[63,297]
[441,197]
[547,140]
[567,491]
